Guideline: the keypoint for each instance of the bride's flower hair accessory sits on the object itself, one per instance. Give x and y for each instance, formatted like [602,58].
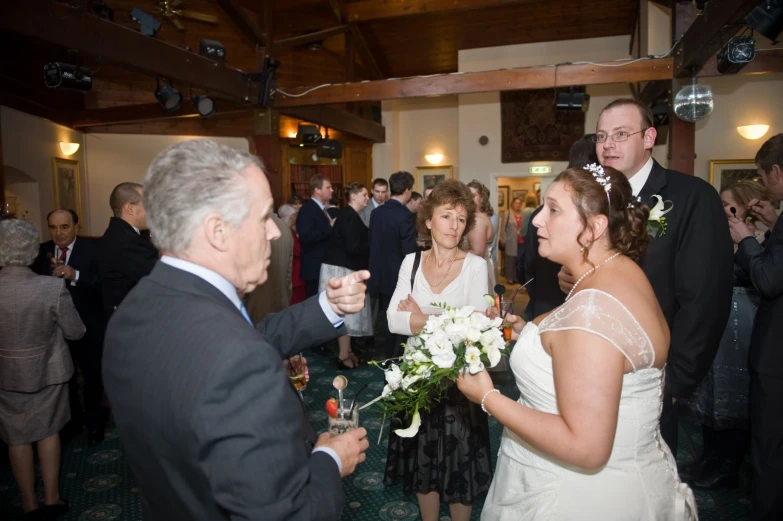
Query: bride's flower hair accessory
[601,178]
[634,202]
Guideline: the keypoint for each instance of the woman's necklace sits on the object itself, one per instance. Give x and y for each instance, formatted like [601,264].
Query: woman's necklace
[447,269]
[588,272]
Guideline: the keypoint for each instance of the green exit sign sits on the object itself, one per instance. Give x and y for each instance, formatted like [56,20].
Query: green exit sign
[540,169]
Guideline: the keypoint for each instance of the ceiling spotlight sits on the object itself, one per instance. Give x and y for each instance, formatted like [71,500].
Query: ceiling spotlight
[212,49]
[738,52]
[573,100]
[203,105]
[67,76]
[168,96]
[767,18]
[148,24]
[694,102]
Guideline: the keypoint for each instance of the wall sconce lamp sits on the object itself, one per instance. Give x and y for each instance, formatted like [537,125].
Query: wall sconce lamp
[68,149]
[753,131]
[434,159]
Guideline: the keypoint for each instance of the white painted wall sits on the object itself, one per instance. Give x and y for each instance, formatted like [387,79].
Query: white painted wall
[29,145]
[116,158]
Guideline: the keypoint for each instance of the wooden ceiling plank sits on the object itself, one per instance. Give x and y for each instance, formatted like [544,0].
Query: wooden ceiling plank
[298,41]
[365,52]
[369,10]
[489,81]
[249,28]
[76,29]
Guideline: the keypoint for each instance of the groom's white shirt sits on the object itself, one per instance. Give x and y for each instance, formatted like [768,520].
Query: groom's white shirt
[638,181]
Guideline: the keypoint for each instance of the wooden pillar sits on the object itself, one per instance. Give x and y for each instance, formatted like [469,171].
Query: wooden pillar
[2,174]
[267,147]
[682,135]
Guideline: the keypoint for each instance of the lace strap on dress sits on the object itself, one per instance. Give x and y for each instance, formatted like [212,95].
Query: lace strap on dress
[600,313]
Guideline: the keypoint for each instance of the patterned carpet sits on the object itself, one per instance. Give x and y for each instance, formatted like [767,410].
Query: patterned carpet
[99,485]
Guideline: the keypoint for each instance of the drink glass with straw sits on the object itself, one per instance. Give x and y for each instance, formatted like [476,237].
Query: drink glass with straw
[296,372]
[507,328]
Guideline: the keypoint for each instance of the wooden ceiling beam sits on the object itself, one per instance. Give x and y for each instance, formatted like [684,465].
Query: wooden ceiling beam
[370,10]
[147,112]
[73,28]
[541,77]
[766,61]
[338,119]
[249,27]
[704,38]
[298,41]
[136,115]
[24,104]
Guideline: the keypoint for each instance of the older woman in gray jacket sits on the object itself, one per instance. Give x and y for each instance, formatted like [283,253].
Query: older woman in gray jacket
[36,316]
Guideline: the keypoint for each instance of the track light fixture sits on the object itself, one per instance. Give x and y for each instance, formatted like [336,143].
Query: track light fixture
[573,100]
[168,96]
[738,52]
[767,19]
[203,105]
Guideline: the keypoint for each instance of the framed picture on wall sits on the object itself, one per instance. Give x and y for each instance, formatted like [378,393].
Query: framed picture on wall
[427,176]
[503,193]
[725,172]
[67,190]
[521,194]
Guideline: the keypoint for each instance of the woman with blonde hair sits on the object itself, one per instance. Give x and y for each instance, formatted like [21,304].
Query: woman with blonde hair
[481,239]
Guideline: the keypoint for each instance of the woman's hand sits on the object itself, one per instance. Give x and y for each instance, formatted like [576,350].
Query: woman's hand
[409,305]
[475,386]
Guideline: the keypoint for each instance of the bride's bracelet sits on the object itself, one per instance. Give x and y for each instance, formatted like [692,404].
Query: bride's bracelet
[485,397]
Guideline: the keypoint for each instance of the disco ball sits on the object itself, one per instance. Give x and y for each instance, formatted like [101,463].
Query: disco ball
[693,102]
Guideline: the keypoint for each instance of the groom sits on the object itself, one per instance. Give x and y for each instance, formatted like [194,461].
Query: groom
[689,266]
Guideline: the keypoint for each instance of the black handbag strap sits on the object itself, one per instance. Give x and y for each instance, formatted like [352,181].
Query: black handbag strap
[416,261]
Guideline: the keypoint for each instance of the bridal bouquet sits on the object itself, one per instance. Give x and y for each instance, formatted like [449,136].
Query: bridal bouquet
[456,341]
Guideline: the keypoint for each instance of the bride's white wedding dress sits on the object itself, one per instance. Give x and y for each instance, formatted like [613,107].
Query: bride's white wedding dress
[640,480]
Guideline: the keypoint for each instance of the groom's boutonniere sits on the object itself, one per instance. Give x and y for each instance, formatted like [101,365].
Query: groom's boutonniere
[656,222]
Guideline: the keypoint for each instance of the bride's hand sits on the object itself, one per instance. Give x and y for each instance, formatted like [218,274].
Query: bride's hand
[517,324]
[475,386]
[409,305]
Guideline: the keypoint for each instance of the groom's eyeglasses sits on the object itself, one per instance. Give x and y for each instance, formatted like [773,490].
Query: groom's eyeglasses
[601,137]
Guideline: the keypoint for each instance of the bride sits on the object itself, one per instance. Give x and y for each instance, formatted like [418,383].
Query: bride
[583,440]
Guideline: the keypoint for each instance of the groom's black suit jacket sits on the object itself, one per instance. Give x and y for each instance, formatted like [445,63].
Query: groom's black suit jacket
[690,268]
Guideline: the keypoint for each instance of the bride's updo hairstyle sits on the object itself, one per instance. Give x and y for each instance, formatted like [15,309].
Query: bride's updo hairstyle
[627,230]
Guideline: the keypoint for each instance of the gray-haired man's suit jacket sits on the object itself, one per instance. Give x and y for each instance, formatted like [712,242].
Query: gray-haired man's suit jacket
[212,427]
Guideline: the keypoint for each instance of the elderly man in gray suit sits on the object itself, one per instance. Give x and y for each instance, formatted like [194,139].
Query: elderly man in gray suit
[212,426]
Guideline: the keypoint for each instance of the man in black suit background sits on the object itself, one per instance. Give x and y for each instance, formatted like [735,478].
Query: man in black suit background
[314,227]
[392,237]
[764,265]
[689,266]
[75,259]
[125,256]
[211,424]
[544,290]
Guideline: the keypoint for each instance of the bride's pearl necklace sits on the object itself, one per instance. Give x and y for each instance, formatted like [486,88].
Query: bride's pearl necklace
[588,272]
